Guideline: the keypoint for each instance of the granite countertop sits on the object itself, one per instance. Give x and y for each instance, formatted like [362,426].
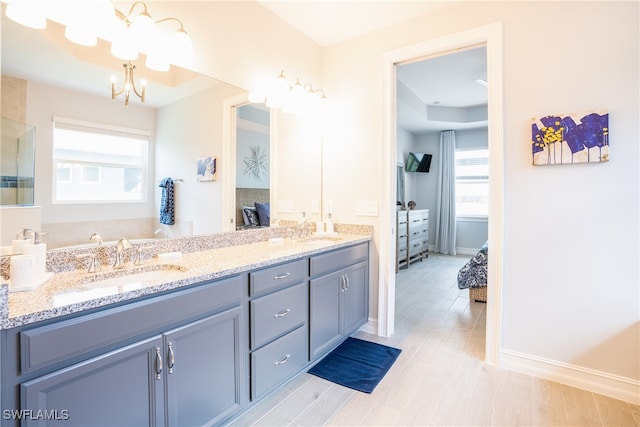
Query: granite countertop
[76,291]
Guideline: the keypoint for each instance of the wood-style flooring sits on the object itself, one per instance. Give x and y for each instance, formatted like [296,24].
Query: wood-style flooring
[439,378]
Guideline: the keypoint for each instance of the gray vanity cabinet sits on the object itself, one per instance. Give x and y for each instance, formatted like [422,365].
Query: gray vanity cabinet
[196,365]
[279,307]
[339,298]
[116,389]
[203,370]
[179,359]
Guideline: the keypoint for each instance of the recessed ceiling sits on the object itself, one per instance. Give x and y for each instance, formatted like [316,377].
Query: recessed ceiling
[443,92]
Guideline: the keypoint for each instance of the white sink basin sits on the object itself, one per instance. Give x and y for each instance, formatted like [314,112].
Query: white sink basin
[135,278]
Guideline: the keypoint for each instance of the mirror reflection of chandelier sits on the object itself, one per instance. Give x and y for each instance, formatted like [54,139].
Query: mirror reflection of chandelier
[130,33]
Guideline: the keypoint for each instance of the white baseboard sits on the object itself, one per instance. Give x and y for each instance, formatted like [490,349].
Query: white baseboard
[371,327]
[611,385]
[467,251]
[459,251]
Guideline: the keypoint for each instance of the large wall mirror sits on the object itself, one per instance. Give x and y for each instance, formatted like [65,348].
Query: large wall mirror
[54,80]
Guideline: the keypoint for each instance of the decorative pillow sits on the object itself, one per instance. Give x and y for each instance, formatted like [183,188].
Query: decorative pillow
[263,213]
[252,217]
[244,215]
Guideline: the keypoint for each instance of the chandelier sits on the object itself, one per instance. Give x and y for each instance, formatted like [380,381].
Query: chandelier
[130,33]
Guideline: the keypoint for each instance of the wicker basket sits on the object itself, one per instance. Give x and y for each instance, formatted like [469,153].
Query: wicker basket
[478,294]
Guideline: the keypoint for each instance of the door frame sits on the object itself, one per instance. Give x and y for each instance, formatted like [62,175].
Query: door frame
[491,36]
[228,169]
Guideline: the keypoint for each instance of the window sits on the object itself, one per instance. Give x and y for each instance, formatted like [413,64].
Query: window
[98,164]
[472,182]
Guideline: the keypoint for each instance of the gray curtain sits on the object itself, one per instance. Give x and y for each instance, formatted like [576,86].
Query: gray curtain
[446,197]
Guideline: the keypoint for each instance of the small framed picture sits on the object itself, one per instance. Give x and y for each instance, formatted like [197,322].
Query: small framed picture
[207,169]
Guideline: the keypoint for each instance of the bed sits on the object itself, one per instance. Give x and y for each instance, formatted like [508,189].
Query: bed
[473,275]
[252,208]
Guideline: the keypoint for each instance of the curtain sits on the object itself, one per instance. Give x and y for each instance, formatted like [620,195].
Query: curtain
[446,197]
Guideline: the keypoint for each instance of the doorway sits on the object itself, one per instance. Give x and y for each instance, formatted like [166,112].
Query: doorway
[491,36]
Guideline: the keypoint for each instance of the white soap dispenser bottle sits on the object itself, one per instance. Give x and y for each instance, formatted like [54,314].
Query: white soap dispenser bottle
[329,225]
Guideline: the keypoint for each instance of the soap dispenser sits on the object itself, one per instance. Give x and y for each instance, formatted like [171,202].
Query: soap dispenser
[329,225]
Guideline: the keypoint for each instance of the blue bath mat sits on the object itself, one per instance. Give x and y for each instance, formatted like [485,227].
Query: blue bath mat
[357,364]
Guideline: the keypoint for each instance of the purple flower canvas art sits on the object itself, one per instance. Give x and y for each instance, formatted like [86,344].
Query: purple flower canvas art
[573,138]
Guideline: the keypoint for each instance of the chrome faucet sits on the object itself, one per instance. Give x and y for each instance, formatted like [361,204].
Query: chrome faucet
[95,237]
[161,231]
[120,247]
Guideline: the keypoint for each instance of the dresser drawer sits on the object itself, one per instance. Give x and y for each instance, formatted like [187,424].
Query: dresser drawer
[277,277]
[402,217]
[415,247]
[277,361]
[277,313]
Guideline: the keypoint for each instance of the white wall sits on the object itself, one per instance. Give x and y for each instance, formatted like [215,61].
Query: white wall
[189,129]
[470,233]
[245,141]
[571,281]
[242,43]
[44,102]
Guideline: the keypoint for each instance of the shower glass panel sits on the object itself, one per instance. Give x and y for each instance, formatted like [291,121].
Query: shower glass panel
[17,163]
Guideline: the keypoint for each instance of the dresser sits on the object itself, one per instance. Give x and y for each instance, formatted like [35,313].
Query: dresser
[412,236]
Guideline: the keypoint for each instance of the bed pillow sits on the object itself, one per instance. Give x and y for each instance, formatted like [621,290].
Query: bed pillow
[245,218]
[263,213]
[250,216]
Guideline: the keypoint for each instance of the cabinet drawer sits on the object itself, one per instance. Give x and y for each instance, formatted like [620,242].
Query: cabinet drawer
[415,232]
[415,246]
[277,313]
[277,361]
[337,259]
[46,345]
[277,277]
[402,217]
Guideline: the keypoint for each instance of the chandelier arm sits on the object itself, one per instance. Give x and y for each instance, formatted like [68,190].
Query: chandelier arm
[172,19]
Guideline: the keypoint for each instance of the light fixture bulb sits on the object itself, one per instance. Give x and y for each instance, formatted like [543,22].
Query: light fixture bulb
[180,47]
[25,14]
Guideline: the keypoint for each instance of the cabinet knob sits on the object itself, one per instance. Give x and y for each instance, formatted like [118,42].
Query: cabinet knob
[282,276]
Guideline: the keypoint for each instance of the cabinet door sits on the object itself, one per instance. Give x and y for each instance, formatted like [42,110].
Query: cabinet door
[354,307]
[120,388]
[324,317]
[205,371]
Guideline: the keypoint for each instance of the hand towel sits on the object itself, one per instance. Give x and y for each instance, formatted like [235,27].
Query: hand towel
[167,210]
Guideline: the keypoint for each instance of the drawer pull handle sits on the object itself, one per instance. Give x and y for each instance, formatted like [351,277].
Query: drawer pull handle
[282,276]
[158,363]
[280,362]
[172,358]
[282,313]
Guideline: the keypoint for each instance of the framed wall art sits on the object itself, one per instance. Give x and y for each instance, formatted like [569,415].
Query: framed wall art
[207,169]
[571,138]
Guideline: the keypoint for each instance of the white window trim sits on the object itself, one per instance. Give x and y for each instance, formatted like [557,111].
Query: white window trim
[470,217]
[102,126]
